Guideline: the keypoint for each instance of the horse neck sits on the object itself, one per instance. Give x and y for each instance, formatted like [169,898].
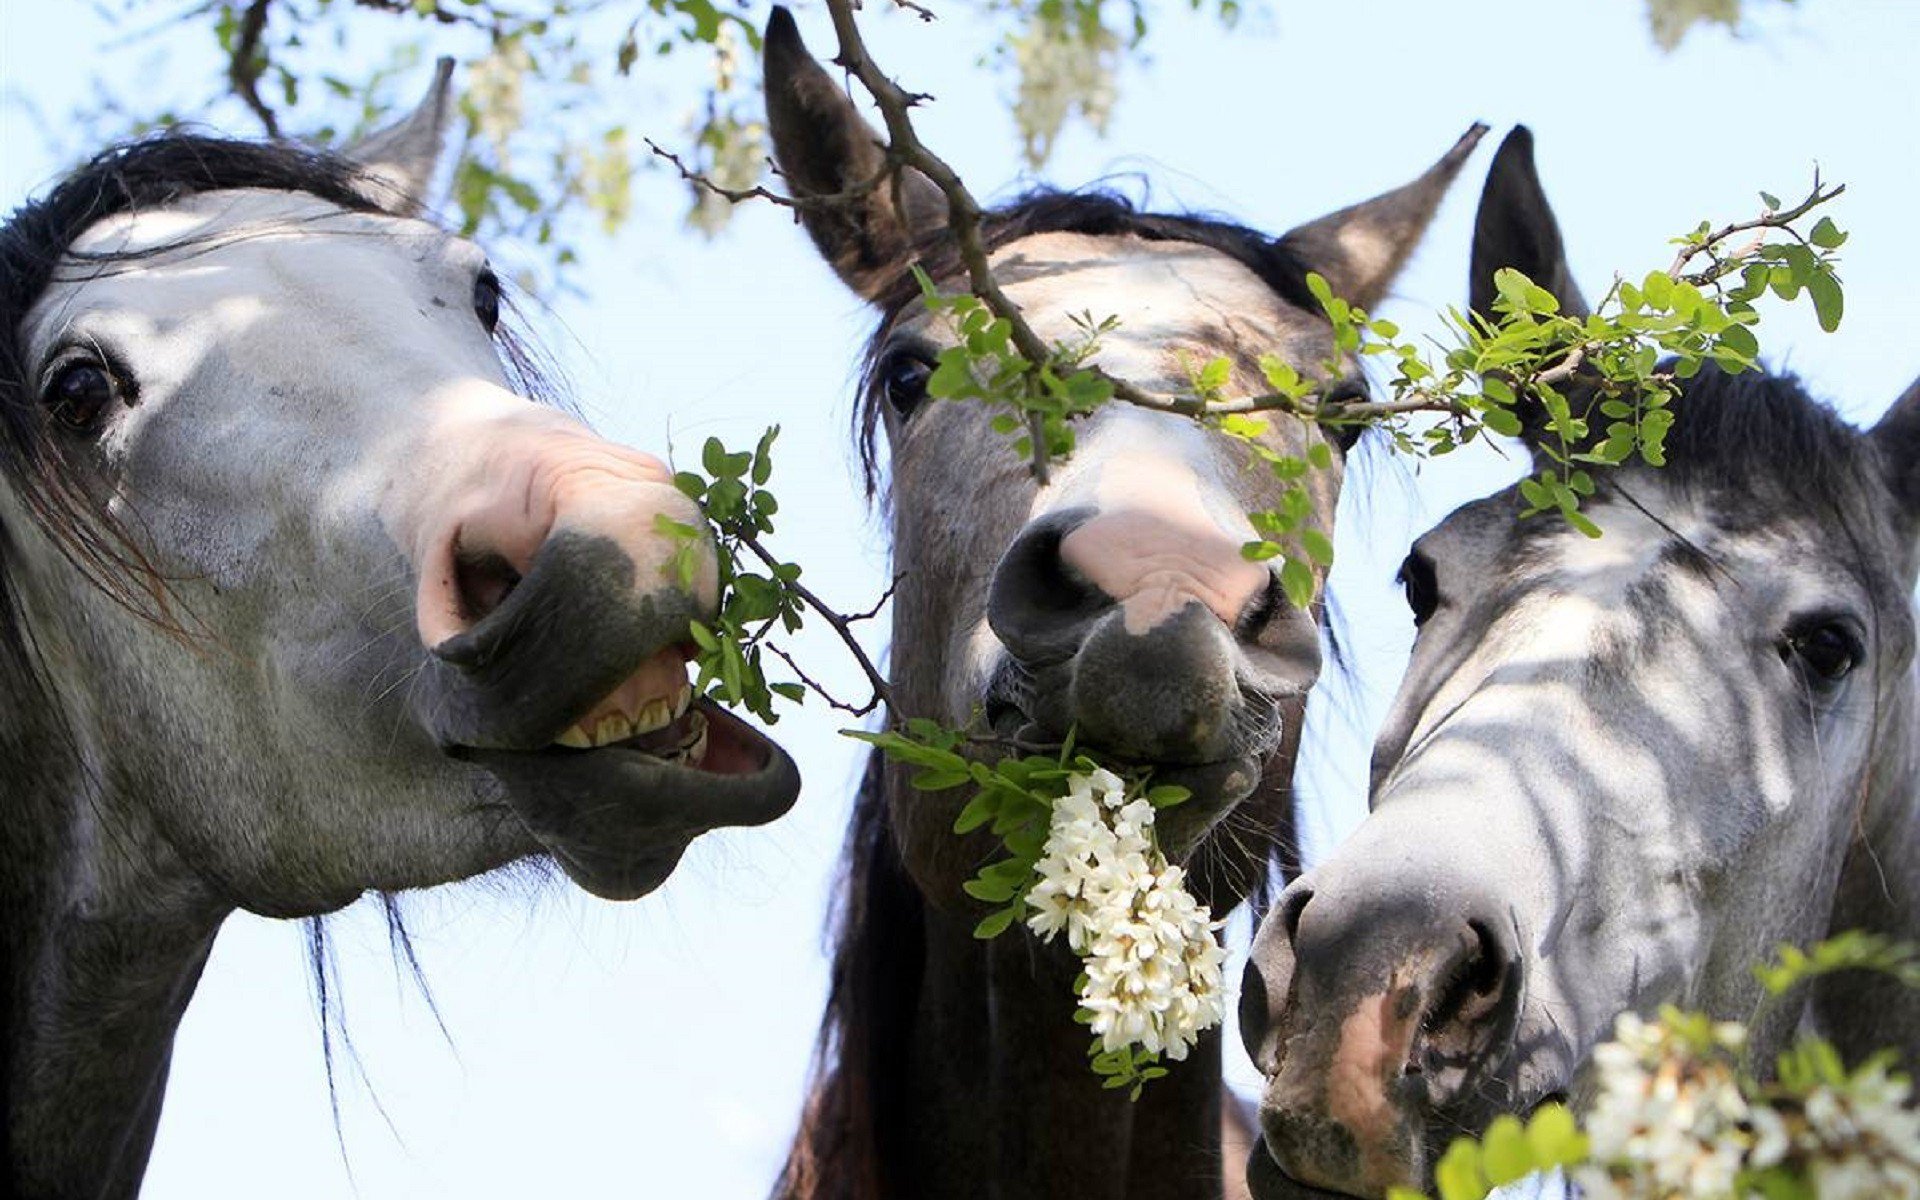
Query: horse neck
[1879,891]
[104,938]
[952,1067]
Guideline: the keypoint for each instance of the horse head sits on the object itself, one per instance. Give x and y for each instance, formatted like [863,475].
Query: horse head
[1112,601]
[1619,771]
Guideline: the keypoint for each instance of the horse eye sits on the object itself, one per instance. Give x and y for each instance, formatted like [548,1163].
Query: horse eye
[80,393]
[1828,651]
[905,378]
[486,299]
[1422,588]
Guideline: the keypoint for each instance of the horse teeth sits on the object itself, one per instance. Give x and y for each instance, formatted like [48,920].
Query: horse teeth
[654,714]
[614,727]
[574,737]
[682,700]
[695,747]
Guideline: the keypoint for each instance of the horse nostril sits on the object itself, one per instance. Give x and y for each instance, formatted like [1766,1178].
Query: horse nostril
[1260,610]
[1037,604]
[1292,906]
[1469,1012]
[483,581]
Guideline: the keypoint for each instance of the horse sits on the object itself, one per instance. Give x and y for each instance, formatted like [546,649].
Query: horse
[1619,772]
[1112,603]
[300,598]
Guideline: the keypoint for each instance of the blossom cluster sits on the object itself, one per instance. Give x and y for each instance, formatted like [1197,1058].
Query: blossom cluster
[1152,974]
[1673,1118]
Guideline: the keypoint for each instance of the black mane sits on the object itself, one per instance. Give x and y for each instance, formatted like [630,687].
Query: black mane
[1094,212]
[1762,433]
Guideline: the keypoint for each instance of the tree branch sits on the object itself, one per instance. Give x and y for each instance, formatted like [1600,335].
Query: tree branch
[247,63]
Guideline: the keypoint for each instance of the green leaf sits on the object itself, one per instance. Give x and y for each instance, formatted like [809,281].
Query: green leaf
[1167,795]
[993,891]
[1319,546]
[939,781]
[996,923]
[1458,1174]
[1556,1138]
[1296,580]
[1828,302]
[979,810]
[1827,235]
[1505,1152]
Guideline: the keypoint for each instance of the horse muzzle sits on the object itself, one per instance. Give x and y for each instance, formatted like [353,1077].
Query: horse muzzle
[1384,1013]
[1151,643]
[572,694]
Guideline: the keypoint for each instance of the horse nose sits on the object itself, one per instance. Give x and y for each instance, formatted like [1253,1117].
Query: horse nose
[556,490]
[1070,568]
[1388,1004]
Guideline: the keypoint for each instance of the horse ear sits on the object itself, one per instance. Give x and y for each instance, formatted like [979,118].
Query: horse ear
[1515,227]
[397,163]
[1898,438]
[824,148]
[1360,249]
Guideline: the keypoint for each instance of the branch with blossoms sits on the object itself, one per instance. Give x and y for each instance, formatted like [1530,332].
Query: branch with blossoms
[1680,1112]
[1075,851]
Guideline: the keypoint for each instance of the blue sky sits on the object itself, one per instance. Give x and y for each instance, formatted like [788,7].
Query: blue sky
[659,1047]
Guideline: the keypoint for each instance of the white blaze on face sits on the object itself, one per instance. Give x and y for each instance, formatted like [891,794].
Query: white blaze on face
[1169,518]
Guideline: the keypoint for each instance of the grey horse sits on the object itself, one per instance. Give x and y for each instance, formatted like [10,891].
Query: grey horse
[1620,772]
[298,598]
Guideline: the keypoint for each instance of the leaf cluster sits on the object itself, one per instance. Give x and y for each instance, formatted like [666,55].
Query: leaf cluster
[733,494]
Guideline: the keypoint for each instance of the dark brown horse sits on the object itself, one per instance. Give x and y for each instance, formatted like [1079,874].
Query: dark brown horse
[1113,601]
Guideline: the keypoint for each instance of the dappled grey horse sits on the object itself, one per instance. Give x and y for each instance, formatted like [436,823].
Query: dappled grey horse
[1619,773]
[1112,601]
[298,598]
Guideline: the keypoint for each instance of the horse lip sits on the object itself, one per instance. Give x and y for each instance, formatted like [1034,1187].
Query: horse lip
[618,819]
[1266,1180]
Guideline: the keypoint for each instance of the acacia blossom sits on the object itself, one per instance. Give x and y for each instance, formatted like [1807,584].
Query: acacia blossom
[1672,1119]
[1152,962]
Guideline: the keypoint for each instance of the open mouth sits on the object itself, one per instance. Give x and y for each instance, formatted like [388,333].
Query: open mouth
[618,794]
[653,714]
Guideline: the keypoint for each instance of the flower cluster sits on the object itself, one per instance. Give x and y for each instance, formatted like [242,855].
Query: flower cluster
[1674,1118]
[1152,962]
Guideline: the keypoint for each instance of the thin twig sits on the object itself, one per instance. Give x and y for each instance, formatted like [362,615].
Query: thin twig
[925,14]
[1781,219]
[843,626]
[813,685]
[741,195]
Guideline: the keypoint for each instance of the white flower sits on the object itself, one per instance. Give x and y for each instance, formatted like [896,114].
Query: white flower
[1153,976]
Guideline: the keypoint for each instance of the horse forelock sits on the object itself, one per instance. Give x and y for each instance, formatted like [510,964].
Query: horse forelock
[1097,213]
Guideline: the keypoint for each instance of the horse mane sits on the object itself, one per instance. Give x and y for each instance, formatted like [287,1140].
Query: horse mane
[858,1075]
[1097,212]
[1761,431]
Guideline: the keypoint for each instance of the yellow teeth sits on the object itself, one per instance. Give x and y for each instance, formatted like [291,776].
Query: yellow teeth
[654,714]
